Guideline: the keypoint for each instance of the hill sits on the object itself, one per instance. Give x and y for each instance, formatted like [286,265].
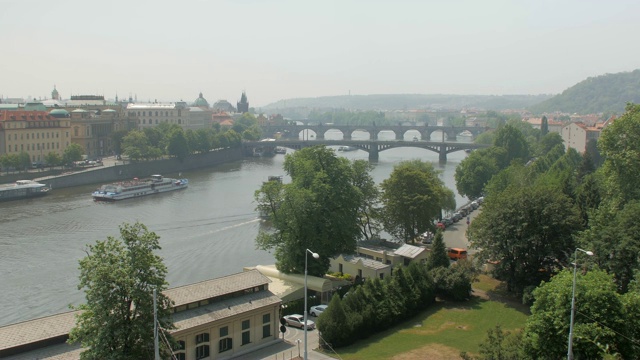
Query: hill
[601,94]
[384,102]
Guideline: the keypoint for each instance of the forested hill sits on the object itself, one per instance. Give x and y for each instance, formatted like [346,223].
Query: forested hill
[601,94]
[410,101]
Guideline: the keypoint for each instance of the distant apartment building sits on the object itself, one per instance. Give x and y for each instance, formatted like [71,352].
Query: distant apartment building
[92,129]
[36,133]
[577,135]
[553,125]
[151,114]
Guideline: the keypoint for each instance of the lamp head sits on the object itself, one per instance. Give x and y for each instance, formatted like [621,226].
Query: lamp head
[315,255]
[590,253]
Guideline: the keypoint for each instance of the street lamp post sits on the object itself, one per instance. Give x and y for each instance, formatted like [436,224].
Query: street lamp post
[573,300]
[315,256]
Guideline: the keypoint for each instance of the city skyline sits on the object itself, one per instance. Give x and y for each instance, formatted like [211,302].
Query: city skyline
[282,49]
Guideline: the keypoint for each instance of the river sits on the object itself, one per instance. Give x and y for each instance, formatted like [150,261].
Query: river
[206,231]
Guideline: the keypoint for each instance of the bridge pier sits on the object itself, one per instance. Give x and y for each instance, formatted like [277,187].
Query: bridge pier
[320,134]
[442,154]
[373,152]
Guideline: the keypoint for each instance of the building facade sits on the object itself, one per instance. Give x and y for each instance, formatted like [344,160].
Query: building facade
[150,115]
[221,318]
[36,133]
[577,135]
[92,129]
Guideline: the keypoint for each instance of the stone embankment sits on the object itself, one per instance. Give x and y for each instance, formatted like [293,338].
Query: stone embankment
[118,170]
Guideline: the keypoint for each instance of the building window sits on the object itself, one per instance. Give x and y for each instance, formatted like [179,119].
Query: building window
[179,351]
[200,338]
[381,276]
[225,343]
[340,268]
[360,273]
[266,325]
[202,352]
[246,332]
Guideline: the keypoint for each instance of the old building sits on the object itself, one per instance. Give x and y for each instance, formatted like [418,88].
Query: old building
[36,133]
[577,135]
[92,129]
[152,114]
[214,319]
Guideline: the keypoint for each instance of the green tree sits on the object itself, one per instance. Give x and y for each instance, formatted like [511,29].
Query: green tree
[474,172]
[513,141]
[72,153]
[24,160]
[438,255]
[318,211]
[527,230]
[548,142]
[334,325]
[544,126]
[116,140]
[620,145]
[500,345]
[178,146]
[10,161]
[599,324]
[136,145]
[614,237]
[53,159]
[118,277]
[413,197]
[369,210]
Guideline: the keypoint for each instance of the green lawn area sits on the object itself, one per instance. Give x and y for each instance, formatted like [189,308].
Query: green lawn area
[449,326]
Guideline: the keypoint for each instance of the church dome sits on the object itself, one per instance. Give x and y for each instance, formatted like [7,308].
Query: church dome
[201,102]
[59,113]
[223,105]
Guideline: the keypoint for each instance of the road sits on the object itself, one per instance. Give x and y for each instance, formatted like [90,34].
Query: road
[455,236]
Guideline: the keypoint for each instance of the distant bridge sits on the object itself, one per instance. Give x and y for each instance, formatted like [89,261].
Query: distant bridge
[373,147]
[294,131]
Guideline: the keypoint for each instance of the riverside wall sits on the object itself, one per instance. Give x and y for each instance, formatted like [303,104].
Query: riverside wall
[140,169]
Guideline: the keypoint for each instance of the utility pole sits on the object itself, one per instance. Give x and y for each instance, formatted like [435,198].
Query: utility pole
[156,347]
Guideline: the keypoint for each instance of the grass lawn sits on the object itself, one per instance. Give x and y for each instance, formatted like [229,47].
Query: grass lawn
[444,330]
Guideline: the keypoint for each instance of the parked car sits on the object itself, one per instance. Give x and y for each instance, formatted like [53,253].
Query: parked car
[317,310]
[447,221]
[457,253]
[456,217]
[426,237]
[297,320]
[475,205]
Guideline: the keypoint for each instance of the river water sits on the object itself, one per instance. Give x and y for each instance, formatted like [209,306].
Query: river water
[206,231]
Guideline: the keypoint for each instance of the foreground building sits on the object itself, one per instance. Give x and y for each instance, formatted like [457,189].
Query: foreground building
[221,318]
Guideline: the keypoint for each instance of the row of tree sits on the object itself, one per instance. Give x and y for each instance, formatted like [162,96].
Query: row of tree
[536,213]
[171,139]
[332,203]
[22,161]
[379,304]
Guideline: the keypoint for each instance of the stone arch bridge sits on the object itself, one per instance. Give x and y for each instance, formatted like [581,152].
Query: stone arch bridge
[373,147]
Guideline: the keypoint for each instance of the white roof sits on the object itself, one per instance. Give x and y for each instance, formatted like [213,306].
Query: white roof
[151,106]
[410,251]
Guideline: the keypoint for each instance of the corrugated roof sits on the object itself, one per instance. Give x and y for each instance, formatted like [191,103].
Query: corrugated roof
[40,329]
[211,288]
[58,325]
[369,263]
[223,309]
[410,251]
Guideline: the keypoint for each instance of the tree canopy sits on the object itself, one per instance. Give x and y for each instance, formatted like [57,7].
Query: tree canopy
[118,277]
[318,210]
[413,198]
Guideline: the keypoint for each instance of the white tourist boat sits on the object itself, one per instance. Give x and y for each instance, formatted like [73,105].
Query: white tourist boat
[138,187]
[23,189]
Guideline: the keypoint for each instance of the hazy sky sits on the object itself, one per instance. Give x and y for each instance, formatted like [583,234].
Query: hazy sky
[279,49]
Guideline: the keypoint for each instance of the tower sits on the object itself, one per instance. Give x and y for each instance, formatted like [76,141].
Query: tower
[54,93]
[243,104]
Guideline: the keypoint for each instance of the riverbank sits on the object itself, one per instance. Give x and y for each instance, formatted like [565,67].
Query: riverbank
[118,171]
